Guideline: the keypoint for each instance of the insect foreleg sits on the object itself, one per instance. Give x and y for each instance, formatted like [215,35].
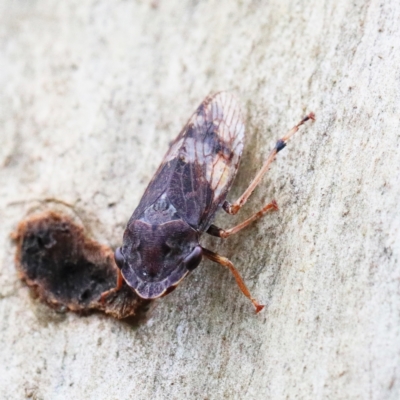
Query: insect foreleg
[280,144]
[224,233]
[118,286]
[239,280]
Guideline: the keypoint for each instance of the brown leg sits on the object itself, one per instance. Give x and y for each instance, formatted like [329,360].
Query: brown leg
[215,231]
[118,286]
[239,280]
[280,144]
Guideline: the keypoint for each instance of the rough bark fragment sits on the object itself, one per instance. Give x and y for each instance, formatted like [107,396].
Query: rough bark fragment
[67,270]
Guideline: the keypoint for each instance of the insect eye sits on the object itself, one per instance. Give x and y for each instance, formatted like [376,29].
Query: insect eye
[119,258]
[194,258]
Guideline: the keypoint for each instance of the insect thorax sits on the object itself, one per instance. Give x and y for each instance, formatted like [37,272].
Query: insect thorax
[156,248]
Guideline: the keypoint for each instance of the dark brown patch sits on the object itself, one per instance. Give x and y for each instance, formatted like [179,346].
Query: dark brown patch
[67,270]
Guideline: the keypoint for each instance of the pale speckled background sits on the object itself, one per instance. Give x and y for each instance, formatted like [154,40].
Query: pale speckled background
[91,94]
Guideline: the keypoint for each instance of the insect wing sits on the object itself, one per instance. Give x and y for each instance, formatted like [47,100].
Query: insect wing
[208,152]
[199,168]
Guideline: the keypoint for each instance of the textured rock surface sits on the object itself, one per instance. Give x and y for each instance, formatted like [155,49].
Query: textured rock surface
[91,94]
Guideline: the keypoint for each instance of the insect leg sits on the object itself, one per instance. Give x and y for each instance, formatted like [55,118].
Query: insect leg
[222,233]
[280,144]
[118,286]
[239,280]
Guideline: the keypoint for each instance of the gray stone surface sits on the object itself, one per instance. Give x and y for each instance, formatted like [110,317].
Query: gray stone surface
[91,94]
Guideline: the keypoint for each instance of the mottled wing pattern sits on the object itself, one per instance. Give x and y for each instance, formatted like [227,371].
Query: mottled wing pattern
[199,168]
[207,155]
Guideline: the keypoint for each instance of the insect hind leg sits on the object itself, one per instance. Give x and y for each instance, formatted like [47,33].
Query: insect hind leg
[224,233]
[239,280]
[280,144]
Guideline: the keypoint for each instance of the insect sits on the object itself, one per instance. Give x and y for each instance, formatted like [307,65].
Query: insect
[161,243]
